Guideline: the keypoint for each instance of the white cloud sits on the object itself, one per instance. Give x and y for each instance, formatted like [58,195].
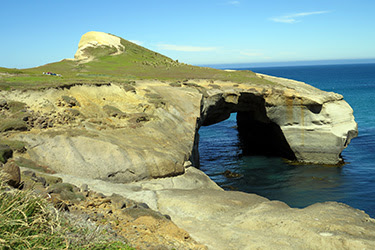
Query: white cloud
[184,48]
[136,42]
[233,2]
[294,18]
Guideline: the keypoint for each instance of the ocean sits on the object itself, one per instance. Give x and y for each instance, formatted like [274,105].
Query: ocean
[303,185]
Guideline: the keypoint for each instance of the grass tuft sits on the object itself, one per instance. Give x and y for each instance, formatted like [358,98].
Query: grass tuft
[12,124]
[28,222]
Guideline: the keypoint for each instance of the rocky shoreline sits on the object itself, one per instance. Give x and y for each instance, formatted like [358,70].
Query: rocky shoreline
[178,212]
[127,220]
[141,143]
[235,220]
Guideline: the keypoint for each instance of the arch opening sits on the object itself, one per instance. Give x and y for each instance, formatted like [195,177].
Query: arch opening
[258,135]
[262,138]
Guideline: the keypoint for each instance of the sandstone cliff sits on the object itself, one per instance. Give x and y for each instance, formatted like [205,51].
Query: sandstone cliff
[106,132]
[95,43]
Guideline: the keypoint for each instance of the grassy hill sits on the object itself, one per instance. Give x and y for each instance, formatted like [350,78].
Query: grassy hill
[135,63]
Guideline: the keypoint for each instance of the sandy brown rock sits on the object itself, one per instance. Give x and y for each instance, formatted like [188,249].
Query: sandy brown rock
[234,220]
[105,143]
[11,174]
[123,136]
[140,226]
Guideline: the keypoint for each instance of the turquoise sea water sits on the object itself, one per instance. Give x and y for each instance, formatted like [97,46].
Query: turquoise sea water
[300,186]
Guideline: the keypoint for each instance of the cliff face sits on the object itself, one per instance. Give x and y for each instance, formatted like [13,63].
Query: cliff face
[110,132]
[94,44]
[292,119]
[133,131]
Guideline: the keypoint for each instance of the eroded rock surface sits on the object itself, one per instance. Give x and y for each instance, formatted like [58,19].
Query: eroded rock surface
[110,133]
[104,43]
[236,220]
[291,119]
[150,135]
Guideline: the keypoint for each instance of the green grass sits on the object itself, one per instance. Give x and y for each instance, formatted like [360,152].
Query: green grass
[14,144]
[29,222]
[134,63]
[8,124]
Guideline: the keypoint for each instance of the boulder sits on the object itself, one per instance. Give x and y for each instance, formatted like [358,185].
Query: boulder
[11,174]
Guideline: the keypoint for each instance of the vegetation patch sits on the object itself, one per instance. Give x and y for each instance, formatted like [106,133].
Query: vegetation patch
[67,191]
[113,111]
[30,164]
[9,124]
[15,106]
[73,112]
[70,101]
[18,146]
[214,86]
[29,222]
[137,119]
[128,86]
[5,153]
[100,51]
[140,211]
[175,84]
[190,84]
[156,99]
[201,89]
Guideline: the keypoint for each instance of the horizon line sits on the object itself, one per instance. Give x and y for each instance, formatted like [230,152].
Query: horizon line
[291,63]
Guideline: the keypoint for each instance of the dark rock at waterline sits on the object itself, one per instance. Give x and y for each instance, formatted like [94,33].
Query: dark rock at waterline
[230,174]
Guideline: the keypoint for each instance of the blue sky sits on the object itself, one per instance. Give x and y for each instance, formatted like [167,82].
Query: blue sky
[36,32]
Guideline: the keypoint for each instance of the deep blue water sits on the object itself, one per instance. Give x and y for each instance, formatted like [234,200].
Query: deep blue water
[300,186]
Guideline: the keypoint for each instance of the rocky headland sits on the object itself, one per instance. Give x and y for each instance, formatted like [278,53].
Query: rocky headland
[139,139]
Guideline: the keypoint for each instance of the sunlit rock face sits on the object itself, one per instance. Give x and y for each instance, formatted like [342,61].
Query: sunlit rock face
[93,44]
[111,133]
[292,120]
[318,125]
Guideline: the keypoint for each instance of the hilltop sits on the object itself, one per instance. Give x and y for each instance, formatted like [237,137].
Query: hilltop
[103,58]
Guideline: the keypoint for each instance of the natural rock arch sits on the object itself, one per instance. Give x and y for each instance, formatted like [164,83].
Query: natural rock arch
[294,120]
[258,134]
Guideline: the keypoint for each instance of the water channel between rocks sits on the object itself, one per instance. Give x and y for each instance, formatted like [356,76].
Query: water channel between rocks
[297,185]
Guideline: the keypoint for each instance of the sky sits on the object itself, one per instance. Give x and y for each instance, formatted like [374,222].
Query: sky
[200,32]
